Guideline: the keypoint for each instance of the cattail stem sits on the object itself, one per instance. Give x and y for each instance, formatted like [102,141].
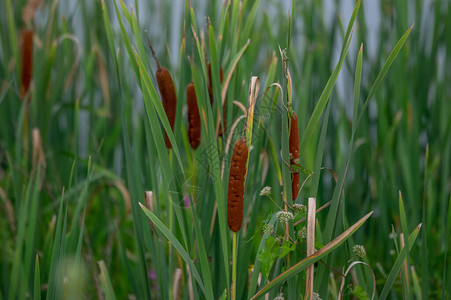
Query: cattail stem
[153,52]
[194,180]
[25,141]
[171,210]
[233,287]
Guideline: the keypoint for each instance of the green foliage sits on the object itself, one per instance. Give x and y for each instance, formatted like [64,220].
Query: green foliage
[360,293]
[372,100]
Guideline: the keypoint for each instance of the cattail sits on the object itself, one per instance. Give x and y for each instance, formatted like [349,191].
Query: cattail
[210,94]
[168,97]
[294,155]
[167,92]
[193,117]
[27,61]
[236,185]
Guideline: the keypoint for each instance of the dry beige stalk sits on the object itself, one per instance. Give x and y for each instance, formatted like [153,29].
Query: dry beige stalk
[29,10]
[404,269]
[38,155]
[148,197]
[311,215]
[176,285]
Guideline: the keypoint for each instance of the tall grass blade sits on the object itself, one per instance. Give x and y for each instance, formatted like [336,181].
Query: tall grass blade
[402,214]
[303,264]
[398,264]
[37,280]
[325,95]
[170,236]
[105,281]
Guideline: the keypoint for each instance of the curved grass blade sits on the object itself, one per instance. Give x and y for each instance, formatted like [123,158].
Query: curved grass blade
[153,96]
[325,95]
[343,171]
[171,237]
[385,68]
[303,264]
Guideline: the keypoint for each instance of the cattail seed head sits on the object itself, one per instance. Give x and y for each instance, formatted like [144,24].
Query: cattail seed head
[294,154]
[168,97]
[193,117]
[27,61]
[236,185]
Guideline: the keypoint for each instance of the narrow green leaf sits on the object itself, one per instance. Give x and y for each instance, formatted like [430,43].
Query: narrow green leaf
[158,106]
[398,264]
[203,257]
[37,280]
[357,80]
[105,281]
[320,154]
[170,236]
[385,68]
[256,270]
[109,32]
[303,264]
[127,44]
[325,95]
[402,214]
[250,18]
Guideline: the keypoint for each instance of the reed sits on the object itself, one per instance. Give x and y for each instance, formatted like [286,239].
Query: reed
[167,92]
[27,62]
[236,185]
[294,155]
[194,133]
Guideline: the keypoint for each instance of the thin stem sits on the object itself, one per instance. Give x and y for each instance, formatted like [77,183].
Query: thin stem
[233,287]
[153,52]
[317,211]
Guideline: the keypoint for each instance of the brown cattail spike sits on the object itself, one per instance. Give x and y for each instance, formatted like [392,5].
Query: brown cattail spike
[167,92]
[210,94]
[168,97]
[193,117]
[236,185]
[27,62]
[294,155]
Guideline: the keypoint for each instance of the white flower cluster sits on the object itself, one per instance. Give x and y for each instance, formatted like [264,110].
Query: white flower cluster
[316,296]
[359,251]
[266,191]
[284,216]
[303,233]
[300,207]
[268,229]
[279,297]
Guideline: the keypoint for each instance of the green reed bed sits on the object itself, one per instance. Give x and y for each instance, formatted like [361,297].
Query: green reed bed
[94,204]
